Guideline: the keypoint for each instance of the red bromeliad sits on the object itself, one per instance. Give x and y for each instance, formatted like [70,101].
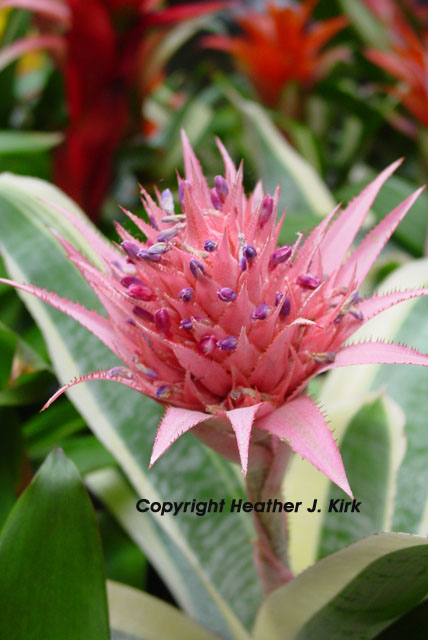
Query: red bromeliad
[406,60]
[281,46]
[105,49]
[224,328]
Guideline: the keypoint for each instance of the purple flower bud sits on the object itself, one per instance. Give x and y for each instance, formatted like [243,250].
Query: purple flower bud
[207,344]
[167,201]
[308,281]
[158,249]
[285,309]
[130,321]
[278,297]
[196,267]
[228,344]
[181,191]
[242,263]
[280,255]
[249,252]
[163,392]
[221,187]
[145,255]
[169,234]
[324,358]
[260,312]
[153,222]
[210,246]
[186,323]
[150,373]
[186,294]
[215,199]
[116,264]
[143,314]
[120,372]
[141,292]
[128,280]
[162,320]
[226,294]
[358,315]
[266,210]
[130,248]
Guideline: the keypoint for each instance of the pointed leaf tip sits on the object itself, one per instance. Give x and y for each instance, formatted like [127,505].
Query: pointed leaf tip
[242,421]
[302,425]
[174,423]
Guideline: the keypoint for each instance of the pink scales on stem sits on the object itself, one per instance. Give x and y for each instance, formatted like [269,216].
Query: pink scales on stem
[212,319]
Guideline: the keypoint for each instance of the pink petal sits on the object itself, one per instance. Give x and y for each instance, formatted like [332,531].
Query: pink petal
[174,423]
[377,304]
[99,375]
[91,320]
[303,426]
[339,237]
[49,8]
[364,256]
[377,353]
[206,371]
[242,422]
[18,48]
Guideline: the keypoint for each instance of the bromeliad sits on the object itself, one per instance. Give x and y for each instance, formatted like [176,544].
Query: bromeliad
[212,319]
[107,51]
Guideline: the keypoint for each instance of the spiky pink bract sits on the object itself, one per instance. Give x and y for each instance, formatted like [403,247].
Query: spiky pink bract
[215,321]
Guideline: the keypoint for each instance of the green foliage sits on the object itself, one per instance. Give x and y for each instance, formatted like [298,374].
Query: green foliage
[54,588]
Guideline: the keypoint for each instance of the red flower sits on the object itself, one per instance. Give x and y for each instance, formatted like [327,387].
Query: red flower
[407,61]
[281,46]
[104,50]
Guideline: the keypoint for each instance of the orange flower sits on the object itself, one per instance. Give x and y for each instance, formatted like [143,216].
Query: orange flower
[280,46]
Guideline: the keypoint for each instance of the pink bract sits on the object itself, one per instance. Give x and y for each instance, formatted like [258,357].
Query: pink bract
[213,320]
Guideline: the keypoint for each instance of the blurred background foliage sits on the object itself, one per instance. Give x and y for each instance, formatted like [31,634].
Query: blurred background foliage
[318,96]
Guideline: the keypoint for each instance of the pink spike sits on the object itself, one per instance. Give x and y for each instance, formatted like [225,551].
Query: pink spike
[242,422]
[228,163]
[174,423]
[13,51]
[207,371]
[52,9]
[100,375]
[377,353]
[377,304]
[303,426]
[339,237]
[364,256]
[91,320]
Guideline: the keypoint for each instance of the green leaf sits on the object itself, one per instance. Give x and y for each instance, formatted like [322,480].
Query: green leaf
[278,163]
[344,393]
[12,142]
[354,593]
[8,342]
[51,573]
[123,560]
[143,617]
[365,452]
[11,460]
[370,29]
[125,422]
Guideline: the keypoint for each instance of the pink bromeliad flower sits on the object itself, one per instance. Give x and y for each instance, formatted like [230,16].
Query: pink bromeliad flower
[215,321]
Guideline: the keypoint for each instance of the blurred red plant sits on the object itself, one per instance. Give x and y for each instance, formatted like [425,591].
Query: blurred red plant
[105,50]
[407,61]
[280,46]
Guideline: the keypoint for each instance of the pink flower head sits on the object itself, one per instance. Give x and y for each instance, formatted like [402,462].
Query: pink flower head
[211,318]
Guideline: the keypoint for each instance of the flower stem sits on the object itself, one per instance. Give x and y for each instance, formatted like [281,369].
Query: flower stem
[270,552]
